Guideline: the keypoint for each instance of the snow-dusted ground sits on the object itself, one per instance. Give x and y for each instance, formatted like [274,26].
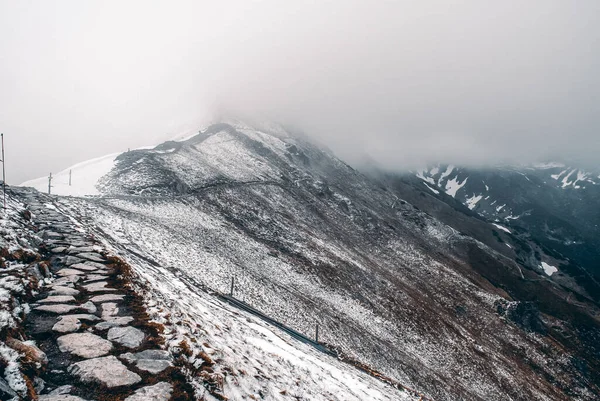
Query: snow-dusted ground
[259,360]
[310,240]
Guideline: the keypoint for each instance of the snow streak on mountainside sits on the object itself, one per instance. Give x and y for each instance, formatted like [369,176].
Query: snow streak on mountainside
[310,240]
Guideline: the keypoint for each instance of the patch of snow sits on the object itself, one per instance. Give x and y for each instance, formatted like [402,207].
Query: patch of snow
[425,178]
[549,269]
[502,228]
[544,166]
[435,191]
[446,173]
[472,201]
[452,186]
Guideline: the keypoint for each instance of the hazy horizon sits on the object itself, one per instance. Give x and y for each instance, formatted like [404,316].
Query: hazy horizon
[402,83]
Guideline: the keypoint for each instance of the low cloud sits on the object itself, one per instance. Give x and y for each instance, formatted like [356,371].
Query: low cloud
[404,83]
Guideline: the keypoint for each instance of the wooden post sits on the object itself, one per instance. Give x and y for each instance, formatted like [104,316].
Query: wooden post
[231,291]
[70,171]
[3,173]
[49,183]
[317,333]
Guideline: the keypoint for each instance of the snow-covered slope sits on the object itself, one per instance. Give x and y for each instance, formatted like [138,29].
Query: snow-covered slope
[84,177]
[310,240]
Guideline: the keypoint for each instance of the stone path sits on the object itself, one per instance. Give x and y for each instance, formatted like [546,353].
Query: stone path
[96,336]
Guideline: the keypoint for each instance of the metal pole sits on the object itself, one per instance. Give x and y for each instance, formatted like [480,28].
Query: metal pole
[70,177]
[3,173]
[317,333]
[231,291]
[49,183]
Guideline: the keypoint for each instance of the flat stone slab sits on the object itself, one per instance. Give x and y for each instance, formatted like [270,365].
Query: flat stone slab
[60,290]
[71,260]
[89,307]
[151,360]
[128,336]
[81,249]
[99,266]
[93,256]
[99,287]
[67,325]
[60,397]
[67,280]
[95,277]
[107,298]
[159,392]
[114,322]
[66,389]
[109,310]
[57,299]
[85,345]
[71,323]
[58,308]
[85,267]
[58,249]
[107,370]
[67,271]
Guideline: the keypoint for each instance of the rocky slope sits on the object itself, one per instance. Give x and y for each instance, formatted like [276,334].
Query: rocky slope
[309,240]
[549,211]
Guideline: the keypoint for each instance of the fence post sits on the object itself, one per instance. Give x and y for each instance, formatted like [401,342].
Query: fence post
[317,333]
[3,173]
[49,183]
[232,283]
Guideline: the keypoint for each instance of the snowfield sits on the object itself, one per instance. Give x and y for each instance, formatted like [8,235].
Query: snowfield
[84,177]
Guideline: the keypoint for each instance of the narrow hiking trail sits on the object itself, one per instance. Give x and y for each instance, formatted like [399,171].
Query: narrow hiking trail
[92,332]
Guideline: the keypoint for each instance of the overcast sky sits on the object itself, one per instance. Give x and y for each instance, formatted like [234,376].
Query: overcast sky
[407,82]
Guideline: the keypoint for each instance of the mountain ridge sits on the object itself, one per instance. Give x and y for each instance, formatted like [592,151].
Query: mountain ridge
[390,282]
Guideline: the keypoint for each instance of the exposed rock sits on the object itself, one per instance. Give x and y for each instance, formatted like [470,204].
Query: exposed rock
[95,277]
[31,352]
[58,249]
[107,298]
[39,384]
[67,325]
[58,308]
[159,392]
[71,323]
[109,310]
[98,266]
[66,389]
[93,256]
[107,370]
[60,290]
[60,397]
[71,260]
[69,272]
[57,299]
[98,287]
[5,390]
[85,267]
[34,270]
[67,280]
[82,249]
[90,307]
[114,322]
[85,345]
[151,360]
[129,337]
